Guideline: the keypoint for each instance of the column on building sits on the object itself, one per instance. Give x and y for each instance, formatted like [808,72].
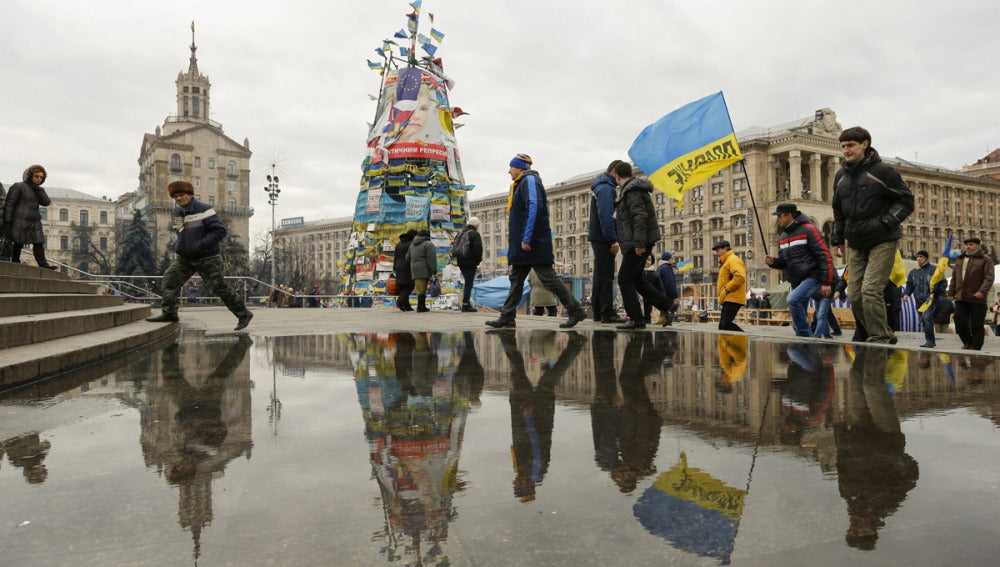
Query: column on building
[816,177]
[795,174]
[832,165]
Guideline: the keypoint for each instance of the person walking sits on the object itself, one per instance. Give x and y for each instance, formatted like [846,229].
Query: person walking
[638,232]
[22,221]
[401,267]
[971,280]
[918,287]
[668,281]
[807,264]
[653,280]
[731,285]
[870,203]
[603,236]
[5,243]
[423,266]
[198,251]
[468,260]
[530,245]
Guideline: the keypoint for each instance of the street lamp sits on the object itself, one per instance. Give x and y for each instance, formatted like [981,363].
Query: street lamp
[272,199]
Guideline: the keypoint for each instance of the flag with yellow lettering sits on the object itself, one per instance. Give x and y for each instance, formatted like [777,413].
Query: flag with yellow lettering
[687,146]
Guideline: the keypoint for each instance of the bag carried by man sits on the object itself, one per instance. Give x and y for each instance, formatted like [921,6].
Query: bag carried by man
[462,245]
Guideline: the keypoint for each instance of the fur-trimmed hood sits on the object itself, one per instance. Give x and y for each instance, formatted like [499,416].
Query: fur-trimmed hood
[26,176]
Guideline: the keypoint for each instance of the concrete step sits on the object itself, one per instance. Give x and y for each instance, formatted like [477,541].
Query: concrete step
[12,304]
[30,271]
[32,329]
[33,284]
[24,364]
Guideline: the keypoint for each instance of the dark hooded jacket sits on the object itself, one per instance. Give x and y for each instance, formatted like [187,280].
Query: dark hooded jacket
[602,210]
[635,215]
[200,233]
[803,254]
[22,221]
[400,261]
[528,221]
[870,202]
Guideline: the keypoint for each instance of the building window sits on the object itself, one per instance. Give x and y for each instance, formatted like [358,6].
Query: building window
[232,205]
[104,243]
[104,217]
[196,106]
[231,186]
[197,182]
[231,169]
[44,212]
[211,163]
[211,184]
[175,162]
[64,215]
[84,218]
[64,243]
[197,161]
[211,200]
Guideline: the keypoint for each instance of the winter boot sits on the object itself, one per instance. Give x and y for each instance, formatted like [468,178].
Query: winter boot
[422,304]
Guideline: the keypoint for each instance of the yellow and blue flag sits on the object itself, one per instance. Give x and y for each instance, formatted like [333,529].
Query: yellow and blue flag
[685,265]
[939,272]
[687,146]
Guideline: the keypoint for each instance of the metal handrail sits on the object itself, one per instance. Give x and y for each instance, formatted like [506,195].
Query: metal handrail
[141,294]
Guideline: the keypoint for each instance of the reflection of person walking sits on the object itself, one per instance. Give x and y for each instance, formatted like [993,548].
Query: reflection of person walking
[873,470]
[198,252]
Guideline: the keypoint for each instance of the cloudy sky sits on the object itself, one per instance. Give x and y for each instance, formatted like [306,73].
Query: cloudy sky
[569,82]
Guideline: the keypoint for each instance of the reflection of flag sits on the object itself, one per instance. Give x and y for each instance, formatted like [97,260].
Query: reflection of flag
[687,146]
[685,265]
[938,274]
[437,35]
[948,368]
[895,371]
[692,511]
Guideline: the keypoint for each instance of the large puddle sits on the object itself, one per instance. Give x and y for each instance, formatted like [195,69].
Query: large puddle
[504,448]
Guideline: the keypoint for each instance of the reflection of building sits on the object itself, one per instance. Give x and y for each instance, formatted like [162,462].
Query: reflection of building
[192,147]
[414,401]
[195,420]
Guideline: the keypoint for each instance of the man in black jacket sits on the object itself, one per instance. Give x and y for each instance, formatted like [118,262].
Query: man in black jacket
[638,231]
[803,256]
[870,202]
[198,251]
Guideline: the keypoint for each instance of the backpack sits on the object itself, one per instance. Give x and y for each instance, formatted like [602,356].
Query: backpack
[462,246]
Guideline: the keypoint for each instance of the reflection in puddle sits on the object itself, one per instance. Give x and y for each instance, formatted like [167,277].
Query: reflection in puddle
[693,448]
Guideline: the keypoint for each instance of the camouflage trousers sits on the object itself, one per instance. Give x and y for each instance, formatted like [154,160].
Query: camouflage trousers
[210,270]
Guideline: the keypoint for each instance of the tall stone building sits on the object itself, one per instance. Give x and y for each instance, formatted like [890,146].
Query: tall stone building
[791,162]
[192,147]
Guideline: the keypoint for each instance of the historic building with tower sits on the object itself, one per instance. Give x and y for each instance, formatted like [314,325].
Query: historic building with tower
[191,146]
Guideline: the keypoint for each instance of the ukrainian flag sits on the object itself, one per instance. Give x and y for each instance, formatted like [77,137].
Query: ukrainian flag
[687,146]
[685,265]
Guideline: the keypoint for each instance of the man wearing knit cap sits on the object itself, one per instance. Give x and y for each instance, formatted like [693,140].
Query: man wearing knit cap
[668,279]
[918,286]
[530,244]
[198,252]
[469,260]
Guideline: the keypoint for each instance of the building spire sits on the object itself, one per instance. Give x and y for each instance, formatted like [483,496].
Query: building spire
[193,67]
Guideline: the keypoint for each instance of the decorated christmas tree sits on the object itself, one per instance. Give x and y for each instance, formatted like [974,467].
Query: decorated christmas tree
[412,173]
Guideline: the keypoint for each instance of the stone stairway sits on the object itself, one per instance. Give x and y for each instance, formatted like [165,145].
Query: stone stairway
[50,325]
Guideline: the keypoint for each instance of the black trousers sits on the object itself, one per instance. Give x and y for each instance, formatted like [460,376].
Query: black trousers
[727,319]
[602,296]
[969,320]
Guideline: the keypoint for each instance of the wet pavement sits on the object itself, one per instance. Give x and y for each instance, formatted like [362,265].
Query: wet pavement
[526,447]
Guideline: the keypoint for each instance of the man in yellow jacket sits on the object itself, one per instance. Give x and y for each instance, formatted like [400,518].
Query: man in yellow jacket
[732,285]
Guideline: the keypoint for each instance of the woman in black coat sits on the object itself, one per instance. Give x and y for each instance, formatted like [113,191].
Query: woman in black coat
[22,221]
[401,267]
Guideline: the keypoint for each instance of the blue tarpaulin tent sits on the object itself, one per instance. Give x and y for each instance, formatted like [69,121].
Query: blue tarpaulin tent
[492,293]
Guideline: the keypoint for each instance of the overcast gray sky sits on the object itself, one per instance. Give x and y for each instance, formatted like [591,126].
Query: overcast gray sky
[569,82]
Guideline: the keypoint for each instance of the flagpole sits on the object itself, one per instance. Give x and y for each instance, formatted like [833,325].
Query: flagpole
[753,202]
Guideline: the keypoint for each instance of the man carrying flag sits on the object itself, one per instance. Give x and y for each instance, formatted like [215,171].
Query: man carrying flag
[918,285]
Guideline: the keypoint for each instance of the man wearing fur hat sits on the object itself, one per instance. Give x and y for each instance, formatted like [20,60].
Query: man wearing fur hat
[530,245]
[198,252]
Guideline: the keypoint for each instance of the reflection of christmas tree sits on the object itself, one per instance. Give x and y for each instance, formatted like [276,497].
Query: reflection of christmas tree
[196,421]
[415,406]
[412,174]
